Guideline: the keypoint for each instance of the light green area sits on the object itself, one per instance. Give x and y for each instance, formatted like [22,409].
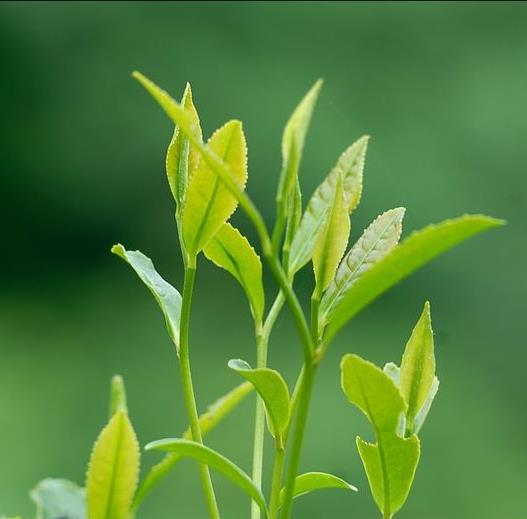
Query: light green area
[59,499]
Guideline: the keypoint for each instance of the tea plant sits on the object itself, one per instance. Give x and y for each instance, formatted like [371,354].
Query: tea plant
[207,181]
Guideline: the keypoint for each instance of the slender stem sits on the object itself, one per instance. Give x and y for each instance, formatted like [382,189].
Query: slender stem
[188,388]
[276,484]
[315,304]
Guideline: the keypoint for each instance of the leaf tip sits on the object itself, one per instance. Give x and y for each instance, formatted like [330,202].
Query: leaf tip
[238,365]
[118,250]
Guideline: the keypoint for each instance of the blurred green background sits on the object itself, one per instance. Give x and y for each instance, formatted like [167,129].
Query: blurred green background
[441,87]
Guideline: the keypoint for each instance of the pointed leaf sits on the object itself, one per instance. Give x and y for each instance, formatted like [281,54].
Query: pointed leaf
[332,241]
[349,166]
[294,215]
[375,243]
[230,250]
[208,203]
[59,499]
[183,159]
[117,396]
[421,415]
[310,481]
[274,392]
[167,297]
[113,471]
[418,249]
[207,456]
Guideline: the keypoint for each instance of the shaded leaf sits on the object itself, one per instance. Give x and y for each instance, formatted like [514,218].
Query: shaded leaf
[59,499]
[230,250]
[167,297]
[207,456]
[294,215]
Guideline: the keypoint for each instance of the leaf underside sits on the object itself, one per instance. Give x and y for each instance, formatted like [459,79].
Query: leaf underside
[59,499]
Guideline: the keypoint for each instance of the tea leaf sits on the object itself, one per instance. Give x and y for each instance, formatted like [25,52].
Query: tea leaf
[117,396]
[310,481]
[230,250]
[167,297]
[113,471]
[274,392]
[418,368]
[375,243]
[294,215]
[349,166]
[416,250]
[182,159]
[59,499]
[421,415]
[207,456]
[208,203]
[332,241]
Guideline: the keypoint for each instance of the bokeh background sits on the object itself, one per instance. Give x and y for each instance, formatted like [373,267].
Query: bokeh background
[442,89]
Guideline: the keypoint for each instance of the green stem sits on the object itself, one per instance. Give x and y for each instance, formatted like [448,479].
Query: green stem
[188,388]
[315,304]
[276,484]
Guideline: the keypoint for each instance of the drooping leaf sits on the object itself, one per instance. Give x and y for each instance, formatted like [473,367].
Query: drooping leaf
[418,368]
[332,241]
[311,481]
[167,297]
[349,167]
[375,243]
[274,392]
[182,159]
[117,396]
[215,413]
[207,456]
[113,471]
[230,250]
[59,499]
[416,250]
[208,203]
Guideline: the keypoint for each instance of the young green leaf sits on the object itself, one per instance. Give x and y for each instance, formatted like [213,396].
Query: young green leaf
[208,203]
[167,297]
[207,456]
[230,250]
[182,159]
[421,415]
[59,499]
[310,481]
[215,413]
[117,396]
[349,167]
[274,392]
[416,250]
[332,241]
[375,243]
[294,215]
[113,471]
[418,368]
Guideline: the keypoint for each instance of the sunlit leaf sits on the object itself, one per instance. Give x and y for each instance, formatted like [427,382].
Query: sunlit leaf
[59,499]
[230,250]
[419,248]
[113,471]
[207,456]
[208,203]
[167,297]
[311,481]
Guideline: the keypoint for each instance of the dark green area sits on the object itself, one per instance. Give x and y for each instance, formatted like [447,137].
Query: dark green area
[441,87]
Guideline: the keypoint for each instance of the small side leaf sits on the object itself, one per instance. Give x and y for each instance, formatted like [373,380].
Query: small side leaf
[310,481]
[418,249]
[59,499]
[207,456]
[167,297]
[294,215]
[230,250]
[113,471]
[274,392]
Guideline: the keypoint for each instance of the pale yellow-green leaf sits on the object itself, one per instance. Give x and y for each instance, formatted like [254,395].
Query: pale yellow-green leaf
[117,395]
[113,470]
[208,202]
[59,499]
[230,250]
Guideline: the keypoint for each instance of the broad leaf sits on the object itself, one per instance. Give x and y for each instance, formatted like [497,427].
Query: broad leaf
[207,456]
[167,297]
[349,166]
[182,159]
[230,250]
[117,396]
[113,471]
[332,241]
[215,413]
[59,499]
[208,203]
[418,368]
[274,392]
[375,243]
[418,249]
[310,481]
